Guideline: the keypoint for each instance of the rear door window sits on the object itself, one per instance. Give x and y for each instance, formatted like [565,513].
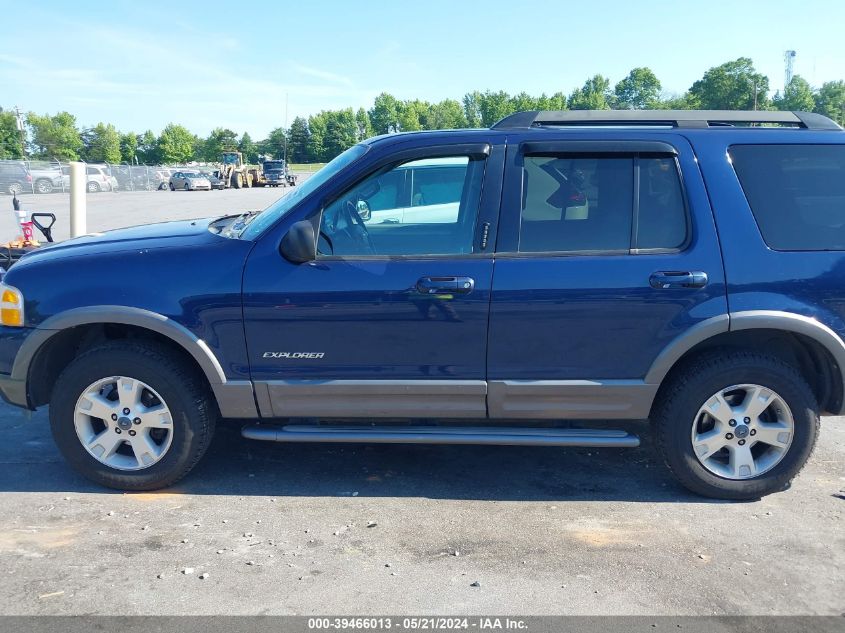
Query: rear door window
[602,204]
[796,193]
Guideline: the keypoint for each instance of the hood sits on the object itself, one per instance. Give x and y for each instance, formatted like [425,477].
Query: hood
[162,235]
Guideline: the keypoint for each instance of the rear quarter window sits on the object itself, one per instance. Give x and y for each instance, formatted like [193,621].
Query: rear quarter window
[796,193]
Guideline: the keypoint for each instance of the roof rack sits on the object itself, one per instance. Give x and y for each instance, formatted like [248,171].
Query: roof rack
[668,118]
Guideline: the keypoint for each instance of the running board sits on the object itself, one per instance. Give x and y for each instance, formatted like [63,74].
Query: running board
[504,436]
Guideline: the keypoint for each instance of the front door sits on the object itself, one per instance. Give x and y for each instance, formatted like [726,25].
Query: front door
[391,319]
[606,256]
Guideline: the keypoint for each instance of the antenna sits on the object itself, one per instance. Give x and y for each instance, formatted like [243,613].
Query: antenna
[789,59]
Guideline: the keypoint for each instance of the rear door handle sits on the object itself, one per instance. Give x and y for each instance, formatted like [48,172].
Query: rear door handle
[664,279]
[450,285]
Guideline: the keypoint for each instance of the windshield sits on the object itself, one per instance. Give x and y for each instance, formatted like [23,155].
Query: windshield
[275,211]
[274,164]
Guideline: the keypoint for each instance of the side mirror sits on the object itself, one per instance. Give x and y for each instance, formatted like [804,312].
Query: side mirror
[363,210]
[299,245]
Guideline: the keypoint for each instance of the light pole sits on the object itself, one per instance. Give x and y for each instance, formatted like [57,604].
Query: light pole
[19,120]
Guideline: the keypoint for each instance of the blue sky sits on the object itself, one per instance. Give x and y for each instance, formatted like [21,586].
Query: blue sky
[143,64]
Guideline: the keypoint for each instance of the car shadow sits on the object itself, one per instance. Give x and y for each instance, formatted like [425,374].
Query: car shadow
[29,462]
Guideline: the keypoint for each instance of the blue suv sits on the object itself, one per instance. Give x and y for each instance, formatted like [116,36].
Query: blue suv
[579,267]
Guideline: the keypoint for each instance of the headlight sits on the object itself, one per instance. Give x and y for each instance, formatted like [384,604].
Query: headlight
[11,306]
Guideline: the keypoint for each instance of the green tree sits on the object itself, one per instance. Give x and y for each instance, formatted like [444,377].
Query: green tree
[384,115]
[248,148]
[101,144]
[362,121]
[128,147]
[274,145]
[55,136]
[797,96]
[494,106]
[317,127]
[593,95]
[176,144]
[148,152]
[10,136]
[341,132]
[413,115]
[683,101]
[557,101]
[299,141]
[446,115]
[734,85]
[472,108]
[830,101]
[638,91]
[218,141]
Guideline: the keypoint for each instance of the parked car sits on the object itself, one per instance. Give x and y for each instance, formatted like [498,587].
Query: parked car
[45,179]
[14,178]
[426,191]
[189,181]
[558,297]
[214,179]
[98,178]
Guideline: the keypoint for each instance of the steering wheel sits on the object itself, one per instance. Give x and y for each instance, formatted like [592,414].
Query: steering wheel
[357,229]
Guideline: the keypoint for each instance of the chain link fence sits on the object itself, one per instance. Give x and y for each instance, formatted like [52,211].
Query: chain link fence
[43,177]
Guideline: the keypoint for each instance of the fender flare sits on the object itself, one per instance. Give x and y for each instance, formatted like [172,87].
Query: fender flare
[123,315]
[749,320]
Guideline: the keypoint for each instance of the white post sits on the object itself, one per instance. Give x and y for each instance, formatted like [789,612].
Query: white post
[78,187]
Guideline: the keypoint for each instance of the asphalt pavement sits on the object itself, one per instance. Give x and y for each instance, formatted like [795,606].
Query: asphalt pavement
[261,528]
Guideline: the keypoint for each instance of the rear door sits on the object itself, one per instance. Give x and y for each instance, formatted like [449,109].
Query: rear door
[607,255]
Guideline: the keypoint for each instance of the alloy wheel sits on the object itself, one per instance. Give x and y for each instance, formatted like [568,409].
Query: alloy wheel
[742,431]
[123,423]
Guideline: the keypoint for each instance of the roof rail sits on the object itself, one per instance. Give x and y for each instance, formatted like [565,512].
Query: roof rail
[672,118]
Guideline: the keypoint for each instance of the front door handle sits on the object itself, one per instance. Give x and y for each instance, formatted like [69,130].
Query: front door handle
[447,285]
[664,279]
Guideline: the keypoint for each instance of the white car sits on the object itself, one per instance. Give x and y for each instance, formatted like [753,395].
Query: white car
[99,178]
[420,192]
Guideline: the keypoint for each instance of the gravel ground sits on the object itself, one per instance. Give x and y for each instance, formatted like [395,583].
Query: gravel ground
[296,529]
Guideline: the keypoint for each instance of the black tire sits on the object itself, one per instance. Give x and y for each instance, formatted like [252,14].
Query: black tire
[43,185]
[685,392]
[187,187]
[172,188]
[180,386]
[236,181]
[93,187]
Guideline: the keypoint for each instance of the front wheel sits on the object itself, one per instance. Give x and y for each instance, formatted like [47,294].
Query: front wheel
[131,416]
[735,425]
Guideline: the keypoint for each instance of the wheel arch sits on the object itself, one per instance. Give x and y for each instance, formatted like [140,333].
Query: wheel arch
[57,341]
[816,350]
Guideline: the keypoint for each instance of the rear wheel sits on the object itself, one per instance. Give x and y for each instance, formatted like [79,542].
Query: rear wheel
[735,424]
[15,188]
[93,187]
[187,187]
[129,415]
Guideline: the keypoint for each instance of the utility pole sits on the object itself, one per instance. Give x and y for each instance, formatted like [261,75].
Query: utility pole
[19,120]
[285,154]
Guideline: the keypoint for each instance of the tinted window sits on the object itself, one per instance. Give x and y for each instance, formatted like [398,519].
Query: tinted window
[661,216]
[376,217]
[587,203]
[796,192]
